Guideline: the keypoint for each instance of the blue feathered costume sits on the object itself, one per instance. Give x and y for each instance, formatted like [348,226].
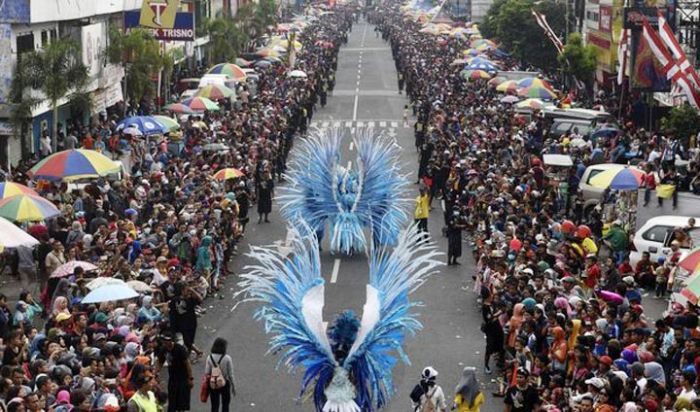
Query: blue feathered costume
[349,367]
[320,190]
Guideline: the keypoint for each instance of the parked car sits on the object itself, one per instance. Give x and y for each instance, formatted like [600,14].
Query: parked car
[592,195]
[656,235]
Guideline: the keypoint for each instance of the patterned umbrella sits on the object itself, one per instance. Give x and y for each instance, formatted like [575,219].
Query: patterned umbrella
[170,123]
[200,104]
[534,81]
[471,52]
[475,74]
[482,65]
[109,293]
[618,179]
[215,92]
[691,291]
[68,268]
[538,92]
[74,164]
[228,173]
[179,108]
[27,208]
[691,261]
[531,104]
[147,125]
[229,69]
[509,86]
[510,99]
[8,189]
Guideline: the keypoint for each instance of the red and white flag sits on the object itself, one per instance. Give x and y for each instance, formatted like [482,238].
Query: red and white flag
[672,43]
[623,55]
[671,69]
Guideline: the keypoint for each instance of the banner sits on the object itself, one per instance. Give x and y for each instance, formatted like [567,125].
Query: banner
[159,14]
[647,73]
[669,39]
[622,56]
[182,30]
[93,44]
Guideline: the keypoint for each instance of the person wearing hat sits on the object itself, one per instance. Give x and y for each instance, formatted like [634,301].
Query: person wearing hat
[522,397]
[427,395]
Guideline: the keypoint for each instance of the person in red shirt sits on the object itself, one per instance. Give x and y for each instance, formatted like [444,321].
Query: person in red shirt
[88,142]
[592,273]
[649,183]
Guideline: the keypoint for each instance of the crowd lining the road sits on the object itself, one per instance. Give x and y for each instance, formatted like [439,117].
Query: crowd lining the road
[167,224]
[562,305]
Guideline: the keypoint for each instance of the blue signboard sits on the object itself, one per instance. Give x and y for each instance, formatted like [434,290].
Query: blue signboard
[182,31]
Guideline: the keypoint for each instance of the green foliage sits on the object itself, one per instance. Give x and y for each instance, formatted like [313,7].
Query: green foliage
[266,10]
[140,53]
[250,21]
[226,39]
[682,121]
[55,70]
[511,22]
[578,59]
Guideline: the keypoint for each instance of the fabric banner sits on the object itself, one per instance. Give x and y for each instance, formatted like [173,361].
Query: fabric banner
[672,43]
[622,55]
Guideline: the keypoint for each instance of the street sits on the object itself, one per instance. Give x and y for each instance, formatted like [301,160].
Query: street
[365,95]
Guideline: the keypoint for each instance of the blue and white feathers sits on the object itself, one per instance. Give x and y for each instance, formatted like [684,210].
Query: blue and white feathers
[349,367]
[321,190]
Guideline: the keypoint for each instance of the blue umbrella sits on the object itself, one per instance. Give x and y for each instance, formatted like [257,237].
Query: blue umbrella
[605,132]
[484,65]
[625,180]
[145,124]
[108,293]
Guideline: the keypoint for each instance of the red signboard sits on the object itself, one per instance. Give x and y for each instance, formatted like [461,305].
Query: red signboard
[598,41]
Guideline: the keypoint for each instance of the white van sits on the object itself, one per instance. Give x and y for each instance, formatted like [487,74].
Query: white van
[656,235]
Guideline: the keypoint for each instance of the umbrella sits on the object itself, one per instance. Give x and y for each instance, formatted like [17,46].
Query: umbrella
[496,81]
[27,208]
[12,236]
[618,179]
[241,62]
[108,293]
[147,125]
[691,261]
[459,62]
[263,63]
[482,65]
[179,108]
[611,297]
[132,131]
[215,92]
[68,268]
[74,164]
[534,81]
[471,52]
[531,104]
[510,99]
[509,86]
[691,291]
[475,74]
[605,132]
[137,285]
[8,189]
[168,122]
[267,53]
[232,70]
[539,92]
[228,173]
[297,74]
[200,104]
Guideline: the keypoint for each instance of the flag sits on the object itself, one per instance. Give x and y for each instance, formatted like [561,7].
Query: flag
[622,56]
[671,69]
[542,22]
[671,42]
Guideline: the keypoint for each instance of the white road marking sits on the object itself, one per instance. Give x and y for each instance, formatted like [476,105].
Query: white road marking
[354,107]
[382,124]
[325,326]
[336,124]
[336,268]
[348,124]
[349,164]
[352,146]
[394,124]
[359,124]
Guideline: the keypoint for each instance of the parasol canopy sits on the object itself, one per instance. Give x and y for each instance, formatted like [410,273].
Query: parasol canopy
[200,104]
[68,268]
[229,69]
[228,173]
[74,164]
[27,208]
[618,179]
[107,293]
[12,236]
[8,189]
[147,125]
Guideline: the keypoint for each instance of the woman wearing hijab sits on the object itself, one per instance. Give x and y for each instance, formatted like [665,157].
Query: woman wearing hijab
[653,371]
[515,323]
[148,312]
[468,395]
[559,350]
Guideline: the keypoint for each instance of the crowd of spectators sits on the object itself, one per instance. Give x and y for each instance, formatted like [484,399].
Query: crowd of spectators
[562,304]
[165,223]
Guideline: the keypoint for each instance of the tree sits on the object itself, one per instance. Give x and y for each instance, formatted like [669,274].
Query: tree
[250,21]
[511,22]
[226,39]
[139,52]
[57,71]
[682,121]
[578,59]
[266,10]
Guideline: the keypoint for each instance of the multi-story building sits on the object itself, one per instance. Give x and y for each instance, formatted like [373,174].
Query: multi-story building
[601,27]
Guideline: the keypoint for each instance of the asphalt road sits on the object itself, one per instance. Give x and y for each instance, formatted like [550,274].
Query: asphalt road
[365,95]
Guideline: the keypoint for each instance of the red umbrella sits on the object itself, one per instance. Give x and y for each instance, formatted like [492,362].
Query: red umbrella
[691,261]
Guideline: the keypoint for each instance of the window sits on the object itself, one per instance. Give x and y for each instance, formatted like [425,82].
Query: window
[656,233]
[25,43]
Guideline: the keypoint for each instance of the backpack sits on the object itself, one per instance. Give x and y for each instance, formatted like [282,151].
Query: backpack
[428,405]
[216,378]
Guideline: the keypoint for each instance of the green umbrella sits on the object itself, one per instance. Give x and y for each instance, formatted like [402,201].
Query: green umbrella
[170,123]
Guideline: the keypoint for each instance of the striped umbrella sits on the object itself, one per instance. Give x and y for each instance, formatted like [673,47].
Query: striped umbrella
[691,261]
[534,81]
[200,104]
[509,86]
[229,69]
[691,291]
[530,104]
[74,164]
[228,173]
[475,74]
[179,108]
[538,92]
[170,123]
[8,189]
[215,92]
[27,208]
[471,52]
[619,179]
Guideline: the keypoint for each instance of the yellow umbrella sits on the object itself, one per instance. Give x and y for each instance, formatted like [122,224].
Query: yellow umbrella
[507,86]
